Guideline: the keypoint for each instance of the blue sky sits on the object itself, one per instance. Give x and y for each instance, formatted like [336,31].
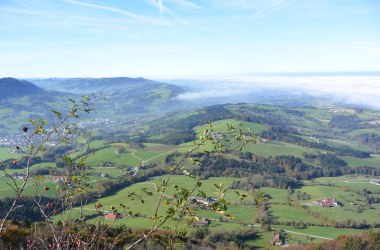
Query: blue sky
[178,38]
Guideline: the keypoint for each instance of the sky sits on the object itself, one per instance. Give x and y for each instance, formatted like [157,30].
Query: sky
[186,38]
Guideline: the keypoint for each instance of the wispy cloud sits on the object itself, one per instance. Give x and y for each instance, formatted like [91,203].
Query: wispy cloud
[160,6]
[272,8]
[28,12]
[164,9]
[359,90]
[106,8]
[186,4]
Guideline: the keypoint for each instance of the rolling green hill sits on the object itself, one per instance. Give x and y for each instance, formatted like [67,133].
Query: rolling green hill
[11,88]
[303,154]
[21,101]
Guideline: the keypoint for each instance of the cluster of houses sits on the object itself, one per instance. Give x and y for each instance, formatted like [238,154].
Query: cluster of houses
[105,124]
[202,202]
[314,138]
[327,202]
[278,239]
[263,140]
[215,135]
[11,141]
[18,176]
[375,181]
[59,179]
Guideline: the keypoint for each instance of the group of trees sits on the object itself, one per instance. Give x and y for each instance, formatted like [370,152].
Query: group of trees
[275,171]
[275,135]
[346,122]
[59,227]
[370,139]
[366,241]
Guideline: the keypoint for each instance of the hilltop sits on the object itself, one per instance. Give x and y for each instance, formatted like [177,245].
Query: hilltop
[23,100]
[93,85]
[304,154]
[11,87]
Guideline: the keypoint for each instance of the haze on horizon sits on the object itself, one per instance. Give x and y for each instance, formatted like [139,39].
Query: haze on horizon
[186,38]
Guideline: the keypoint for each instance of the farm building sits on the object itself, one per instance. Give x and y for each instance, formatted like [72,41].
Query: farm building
[18,176]
[112,216]
[59,178]
[200,201]
[278,240]
[328,202]
[375,181]
[201,222]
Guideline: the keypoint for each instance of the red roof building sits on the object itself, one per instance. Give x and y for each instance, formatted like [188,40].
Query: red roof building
[328,202]
[112,216]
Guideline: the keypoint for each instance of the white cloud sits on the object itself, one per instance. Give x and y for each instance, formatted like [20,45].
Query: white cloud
[362,90]
[272,8]
[25,11]
[241,4]
[164,9]
[107,8]
[186,4]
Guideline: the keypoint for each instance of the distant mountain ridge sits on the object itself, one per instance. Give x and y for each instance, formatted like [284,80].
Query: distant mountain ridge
[12,87]
[127,95]
[22,100]
[93,85]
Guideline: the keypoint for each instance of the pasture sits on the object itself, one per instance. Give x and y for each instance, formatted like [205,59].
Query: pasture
[277,148]
[7,154]
[221,126]
[353,162]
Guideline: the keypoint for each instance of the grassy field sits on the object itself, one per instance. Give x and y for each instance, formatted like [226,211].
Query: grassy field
[244,214]
[283,213]
[33,189]
[350,143]
[363,131]
[6,154]
[131,158]
[356,182]
[353,204]
[370,162]
[345,188]
[109,155]
[221,126]
[328,232]
[277,148]
[150,202]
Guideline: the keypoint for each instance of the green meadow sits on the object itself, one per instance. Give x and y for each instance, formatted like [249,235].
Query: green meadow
[370,162]
[277,148]
[221,126]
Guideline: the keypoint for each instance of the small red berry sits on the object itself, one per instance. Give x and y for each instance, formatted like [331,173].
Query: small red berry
[46,188]
[50,204]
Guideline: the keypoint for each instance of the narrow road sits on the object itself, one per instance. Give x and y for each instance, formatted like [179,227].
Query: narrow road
[293,232]
[133,154]
[311,235]
[168,152]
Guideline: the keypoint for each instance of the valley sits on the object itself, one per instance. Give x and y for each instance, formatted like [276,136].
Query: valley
[302,153]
